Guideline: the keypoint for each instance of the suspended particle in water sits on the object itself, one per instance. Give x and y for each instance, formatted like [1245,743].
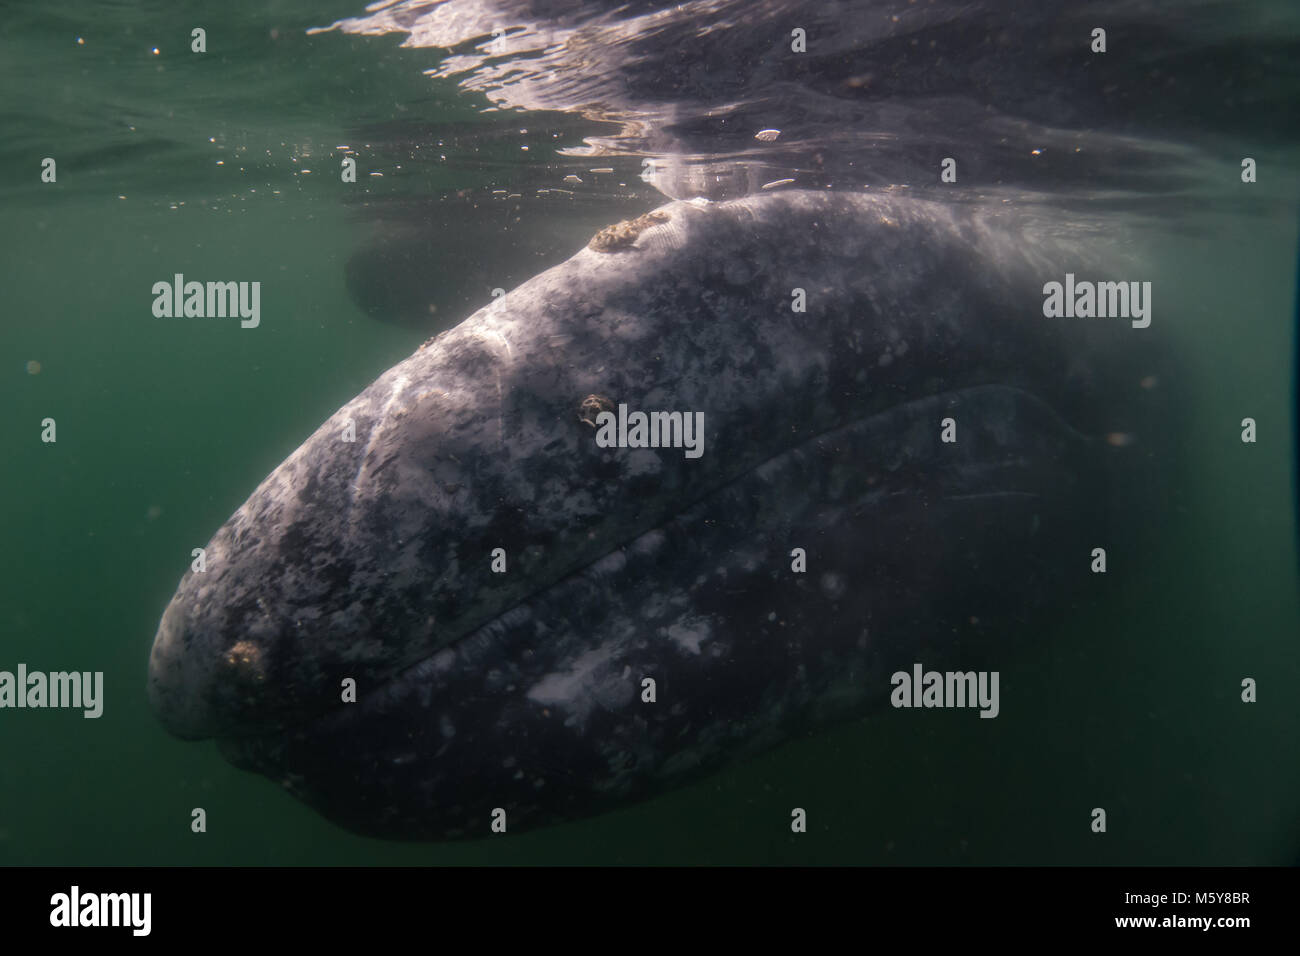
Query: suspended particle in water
[33,367]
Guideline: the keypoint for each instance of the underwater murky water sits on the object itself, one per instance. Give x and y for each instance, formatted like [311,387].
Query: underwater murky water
[483,160]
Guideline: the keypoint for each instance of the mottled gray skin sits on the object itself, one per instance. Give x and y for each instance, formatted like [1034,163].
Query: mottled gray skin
[523,690]
[541,712]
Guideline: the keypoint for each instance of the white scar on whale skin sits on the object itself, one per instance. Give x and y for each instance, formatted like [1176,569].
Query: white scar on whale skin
[399,386]
[501,398]
[510,354]
[578,690]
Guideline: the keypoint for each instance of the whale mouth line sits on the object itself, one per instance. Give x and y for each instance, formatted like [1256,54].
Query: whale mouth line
[972,480]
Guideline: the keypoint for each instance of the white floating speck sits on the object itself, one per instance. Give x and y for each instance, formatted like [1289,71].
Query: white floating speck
[777,182]
[698,201]
[572,179]
[767,135]
[603,169]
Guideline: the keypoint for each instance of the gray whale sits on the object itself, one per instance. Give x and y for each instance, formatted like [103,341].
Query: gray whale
[372,559]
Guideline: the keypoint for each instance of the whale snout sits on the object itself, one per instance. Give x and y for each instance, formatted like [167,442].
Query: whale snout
[173,685]
[206,684]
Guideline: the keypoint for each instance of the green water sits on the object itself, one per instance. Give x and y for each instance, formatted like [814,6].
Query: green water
[165,427]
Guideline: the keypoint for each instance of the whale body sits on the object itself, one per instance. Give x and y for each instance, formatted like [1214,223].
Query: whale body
[904,461]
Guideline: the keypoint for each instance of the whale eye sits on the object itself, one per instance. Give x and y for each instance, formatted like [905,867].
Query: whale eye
[592,406]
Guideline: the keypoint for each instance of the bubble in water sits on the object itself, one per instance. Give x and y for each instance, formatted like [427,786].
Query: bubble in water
[33,367]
